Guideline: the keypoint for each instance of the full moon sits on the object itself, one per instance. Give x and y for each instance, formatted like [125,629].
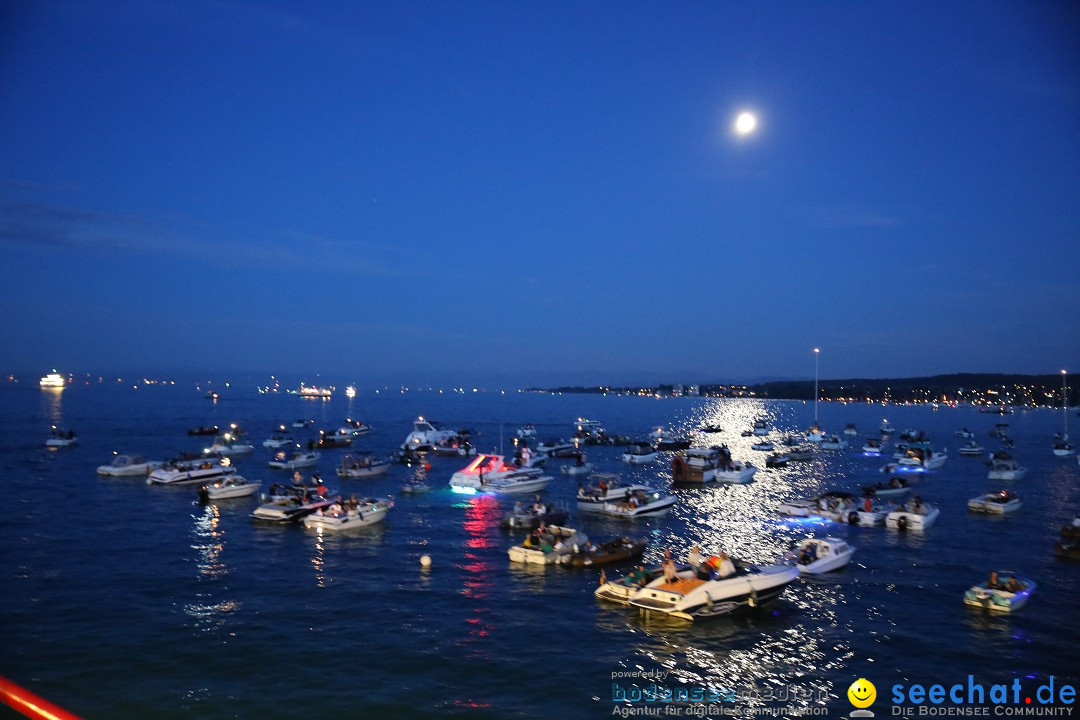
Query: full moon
[745,123]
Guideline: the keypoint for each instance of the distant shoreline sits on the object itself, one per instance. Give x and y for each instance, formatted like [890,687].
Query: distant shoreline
[965,388]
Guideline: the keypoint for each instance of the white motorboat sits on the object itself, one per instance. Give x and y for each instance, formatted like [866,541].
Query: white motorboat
[489,473]
[696,465]
[964,433]
[659,433]
[529,517]
[895,487]
[640,503]
[603,489]
[354,428]
[129,465]
[586,429]
[1063,448]
[814,434]
[973,448]
[52,380]
[914,515]
[458,445]
[832,505]
[229,445]
[814,556]
[1006,470]
[294,461]
[639,453]
[425,435]
[61,438]
[693,597]
[873,447]
[302,423]
[279,440]
[188,469]
[801,452]
[362,465]
[349,514]
[556,448]
[415,487]
[526,431]
[621,589]
[516,484]
[922,455]
[1004,592]
[887,428]
[289,504]
[548,545]
[334,439]
[581,466]
[764,446]
[777,460]
[911,435]
[872,511]
[833,442]
[996,503]
[761,427]
[735,472]
[851,430]
[230,486]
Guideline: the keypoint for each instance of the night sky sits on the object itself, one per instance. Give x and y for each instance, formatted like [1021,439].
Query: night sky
[540,192]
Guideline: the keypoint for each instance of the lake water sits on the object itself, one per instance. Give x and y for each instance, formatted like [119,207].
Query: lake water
[129,601]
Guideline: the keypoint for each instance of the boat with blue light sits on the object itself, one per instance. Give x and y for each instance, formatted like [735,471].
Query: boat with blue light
[1004,591]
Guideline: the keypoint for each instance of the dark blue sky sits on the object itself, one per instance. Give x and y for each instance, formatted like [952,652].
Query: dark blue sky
[540,191]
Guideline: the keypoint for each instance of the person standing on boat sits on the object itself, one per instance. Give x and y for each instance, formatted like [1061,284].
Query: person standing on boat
[668,566]
[694,558]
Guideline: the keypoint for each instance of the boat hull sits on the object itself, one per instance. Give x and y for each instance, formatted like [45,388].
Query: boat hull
[742,593]
[903,520]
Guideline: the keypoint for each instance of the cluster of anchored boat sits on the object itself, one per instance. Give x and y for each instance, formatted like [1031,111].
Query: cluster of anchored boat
[700,588]
[879,503]
[309,502]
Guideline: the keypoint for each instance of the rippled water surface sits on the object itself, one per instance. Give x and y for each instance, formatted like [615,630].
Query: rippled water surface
[129,601]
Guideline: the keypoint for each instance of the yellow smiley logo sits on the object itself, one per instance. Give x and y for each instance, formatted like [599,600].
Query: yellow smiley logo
[862,693]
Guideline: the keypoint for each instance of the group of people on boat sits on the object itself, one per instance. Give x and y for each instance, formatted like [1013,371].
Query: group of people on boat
[1009,584]
[595,492]
[538,508]
[634,500]
[341,505]
[915,505]
[316,482]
